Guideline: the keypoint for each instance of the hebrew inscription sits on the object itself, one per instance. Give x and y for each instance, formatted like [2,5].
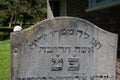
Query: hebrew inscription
[78,33]
[63,49]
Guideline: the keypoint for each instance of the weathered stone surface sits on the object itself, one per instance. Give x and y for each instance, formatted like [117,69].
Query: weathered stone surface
[63,49]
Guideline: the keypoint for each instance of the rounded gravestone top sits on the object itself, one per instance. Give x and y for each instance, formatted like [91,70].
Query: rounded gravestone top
[63,48]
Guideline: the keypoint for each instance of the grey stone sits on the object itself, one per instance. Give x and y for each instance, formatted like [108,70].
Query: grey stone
[63,48]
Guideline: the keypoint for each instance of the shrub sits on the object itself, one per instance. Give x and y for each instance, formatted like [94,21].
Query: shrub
[4,35]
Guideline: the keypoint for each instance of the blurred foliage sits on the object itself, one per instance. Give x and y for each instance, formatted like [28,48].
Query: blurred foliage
[22,12]
[4,35]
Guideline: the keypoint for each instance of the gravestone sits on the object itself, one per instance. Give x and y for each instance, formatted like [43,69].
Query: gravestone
[64,48]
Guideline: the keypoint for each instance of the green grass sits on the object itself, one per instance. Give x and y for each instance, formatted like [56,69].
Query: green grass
[5,60]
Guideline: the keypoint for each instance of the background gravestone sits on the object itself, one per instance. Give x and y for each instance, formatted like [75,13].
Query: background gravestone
[63,49]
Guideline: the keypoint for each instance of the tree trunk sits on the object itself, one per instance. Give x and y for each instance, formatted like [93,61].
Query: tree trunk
[11,20]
